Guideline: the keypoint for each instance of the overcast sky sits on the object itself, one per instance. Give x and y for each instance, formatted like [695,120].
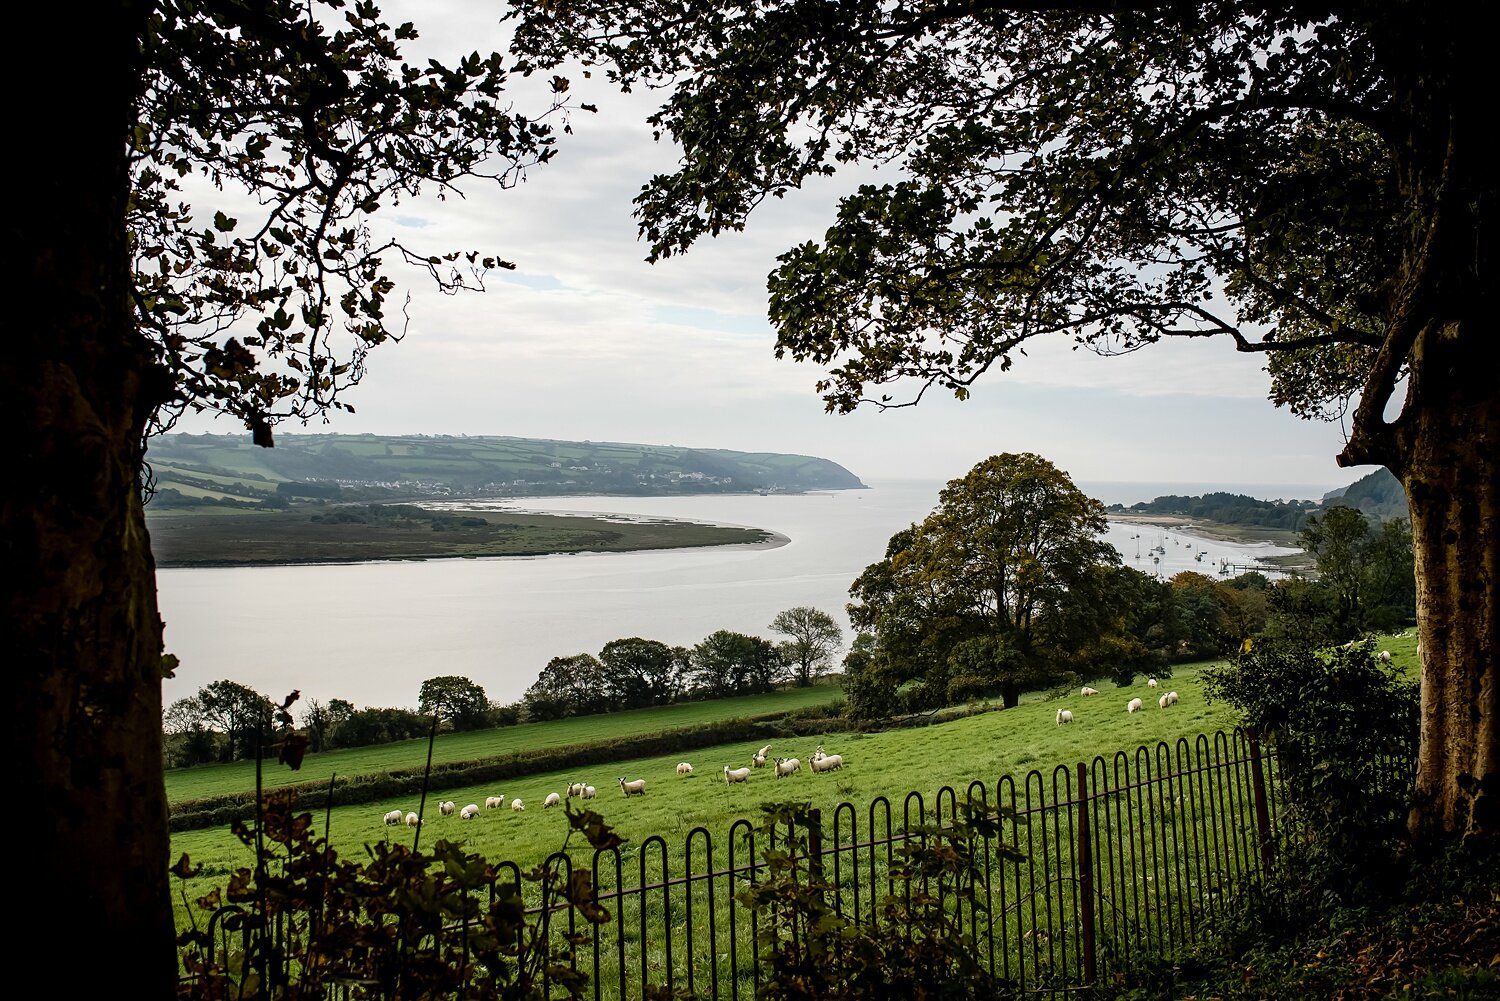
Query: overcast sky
[587,341]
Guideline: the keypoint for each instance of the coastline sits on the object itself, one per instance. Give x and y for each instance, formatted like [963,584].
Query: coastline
[1209,530]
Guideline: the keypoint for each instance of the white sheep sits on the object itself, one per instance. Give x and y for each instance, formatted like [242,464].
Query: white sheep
[1133,705]
[732,775]
[589,792]
[635,788]
[575,789]
[553,799]
[1163,702]
[494,802]
[763,751]
[412,820]
[393,818]
[1064,716]
[1171,698]
[827,763]
[446,807]
[517,806]
[1385,656]
[1150,682]
[1089,691]
[684,768]
[786,766]
[758,760]
[469,812]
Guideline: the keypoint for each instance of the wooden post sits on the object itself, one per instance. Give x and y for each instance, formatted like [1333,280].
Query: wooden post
[1084,854]
[1262,810]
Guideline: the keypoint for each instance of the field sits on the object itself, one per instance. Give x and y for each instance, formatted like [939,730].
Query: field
[891,764]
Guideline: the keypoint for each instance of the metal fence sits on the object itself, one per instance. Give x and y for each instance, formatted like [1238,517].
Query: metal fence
[1127,857]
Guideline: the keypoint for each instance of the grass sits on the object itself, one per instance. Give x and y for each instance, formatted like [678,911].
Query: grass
[239,776]
[891,764]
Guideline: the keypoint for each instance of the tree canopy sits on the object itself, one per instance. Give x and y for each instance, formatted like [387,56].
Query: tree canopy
[1309,184]
[813,639]
[456,701]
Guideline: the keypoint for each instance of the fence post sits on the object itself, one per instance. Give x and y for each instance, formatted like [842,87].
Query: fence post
[815,846]
[1262,810]
[1084,853]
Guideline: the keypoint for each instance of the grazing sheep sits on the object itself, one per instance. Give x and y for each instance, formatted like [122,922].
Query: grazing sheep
[827,763]
[786,766]
[684,769]
[1089,691]
[575,789]
[1064,716]
[1133,705]
[393,818]
[1171,698]
[1150,682]
[446,808]
[412,820]
[635,788]
[732,775]
[494,802]
[518,806]
[469,812]
[589,792]
[1385,656]
[758,760]
[1163,702]
[553,799]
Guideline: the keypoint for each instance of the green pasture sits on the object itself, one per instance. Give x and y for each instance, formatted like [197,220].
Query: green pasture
[236,777]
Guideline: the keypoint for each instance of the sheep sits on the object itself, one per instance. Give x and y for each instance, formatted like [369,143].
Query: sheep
[1385,656]
[446,807]
[1133,705]
[469,812]
[827,763]
[575,789]
[763,751]
[1064,716]
[758,760]
[517,806]
[494,802]
[786,766]
[393,818]
[1089,691]
[553,799]
[684,768]
[1171,698]
[1150,682]
[589,792]
[412,820]
[635,788]
[818,753]
[1163,702]
[732,775]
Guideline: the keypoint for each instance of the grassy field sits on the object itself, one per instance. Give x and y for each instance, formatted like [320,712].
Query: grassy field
[347,535]
[891,764]
[239,776]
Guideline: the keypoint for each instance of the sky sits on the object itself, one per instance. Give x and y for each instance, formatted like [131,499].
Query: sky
[586,341]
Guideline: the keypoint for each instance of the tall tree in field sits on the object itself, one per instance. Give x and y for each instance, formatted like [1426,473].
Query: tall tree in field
[1311,185]
[641,672]
[455,700]
[143,295]
[975,597]
[813,639]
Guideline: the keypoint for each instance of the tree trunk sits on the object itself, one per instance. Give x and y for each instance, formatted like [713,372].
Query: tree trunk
[83,641]
[1452,478]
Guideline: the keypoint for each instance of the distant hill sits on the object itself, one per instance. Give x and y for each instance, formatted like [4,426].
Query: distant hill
[227,470]
[1379,495]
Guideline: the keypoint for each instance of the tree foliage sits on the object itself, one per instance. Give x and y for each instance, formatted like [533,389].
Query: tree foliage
[814,638]
[728,663]
[1365,569]
[978,596]
[640,672]
[456,701]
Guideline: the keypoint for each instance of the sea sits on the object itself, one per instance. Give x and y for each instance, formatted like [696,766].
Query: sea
[371,633]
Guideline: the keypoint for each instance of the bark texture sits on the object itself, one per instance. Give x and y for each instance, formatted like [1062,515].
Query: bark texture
[82,635]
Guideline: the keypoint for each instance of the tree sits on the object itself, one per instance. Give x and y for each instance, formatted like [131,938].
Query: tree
[567,686]
[976,597]
[238,712]
[815,638]
[640,672]
[1309,184]
[728,663]
[1366,570]
[454,700]
[147,294]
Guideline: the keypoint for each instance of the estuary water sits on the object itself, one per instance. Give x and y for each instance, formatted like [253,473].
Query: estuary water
[372,632]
